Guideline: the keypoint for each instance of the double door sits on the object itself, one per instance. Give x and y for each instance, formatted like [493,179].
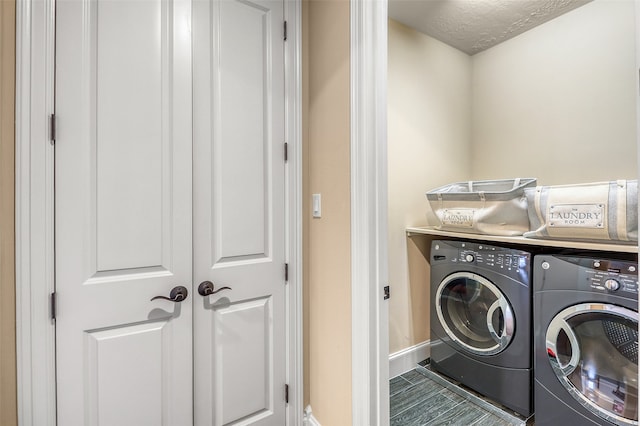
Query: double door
[170,220]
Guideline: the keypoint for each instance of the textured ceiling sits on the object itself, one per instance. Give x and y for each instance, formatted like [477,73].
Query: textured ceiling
[475,25]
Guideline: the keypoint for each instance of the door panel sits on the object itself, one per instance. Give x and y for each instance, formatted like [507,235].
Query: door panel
[253,346]
[129,141]
[242,138]
[113,357]
[123,212]
[239,212]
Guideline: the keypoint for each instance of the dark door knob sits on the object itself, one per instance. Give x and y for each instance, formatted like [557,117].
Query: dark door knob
[177,294]
[206,288]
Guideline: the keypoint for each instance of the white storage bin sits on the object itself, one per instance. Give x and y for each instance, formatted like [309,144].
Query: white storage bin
[589,211]
[492,207]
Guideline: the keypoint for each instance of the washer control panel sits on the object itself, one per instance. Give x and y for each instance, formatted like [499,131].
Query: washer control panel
[467,255]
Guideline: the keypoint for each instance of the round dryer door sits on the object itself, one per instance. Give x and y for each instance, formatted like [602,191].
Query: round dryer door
[593,349]
[474,313]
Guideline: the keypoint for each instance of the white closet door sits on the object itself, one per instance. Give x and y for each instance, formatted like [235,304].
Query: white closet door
[239,215]
[123,212]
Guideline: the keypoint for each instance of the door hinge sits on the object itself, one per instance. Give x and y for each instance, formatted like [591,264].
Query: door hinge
[52,129]
[53,305]
[286,152]
[386,292]
[286,393]
[285,30]
[286,272]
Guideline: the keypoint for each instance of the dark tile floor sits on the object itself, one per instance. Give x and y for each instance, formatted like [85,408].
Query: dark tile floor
[417,400]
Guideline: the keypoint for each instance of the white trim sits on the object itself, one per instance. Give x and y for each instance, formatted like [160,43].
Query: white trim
[370,354]
[293,68]
[309,420]
[35,35]
[35,332]
[406,360]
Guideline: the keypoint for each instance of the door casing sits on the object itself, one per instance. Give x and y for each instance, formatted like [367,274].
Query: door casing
[369,270]
[35,61]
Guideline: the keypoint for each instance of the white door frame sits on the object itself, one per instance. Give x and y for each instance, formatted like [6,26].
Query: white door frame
[369,269]
[35,46]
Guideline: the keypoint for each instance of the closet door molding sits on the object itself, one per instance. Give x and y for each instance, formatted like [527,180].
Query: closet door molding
[35,330]
[293,180]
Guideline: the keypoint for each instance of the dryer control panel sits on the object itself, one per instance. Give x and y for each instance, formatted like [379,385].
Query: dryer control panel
[610,276]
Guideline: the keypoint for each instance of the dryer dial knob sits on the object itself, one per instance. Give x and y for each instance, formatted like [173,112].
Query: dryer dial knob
[611,284]
[469,258]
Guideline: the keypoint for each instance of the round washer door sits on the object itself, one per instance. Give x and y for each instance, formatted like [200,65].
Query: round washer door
[474,313]
[593,350]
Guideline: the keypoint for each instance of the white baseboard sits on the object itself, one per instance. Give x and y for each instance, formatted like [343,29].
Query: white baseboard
[309,420]
[407,359]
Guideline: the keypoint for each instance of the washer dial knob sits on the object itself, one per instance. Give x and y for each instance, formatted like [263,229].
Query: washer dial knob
[611,284]
[469,258]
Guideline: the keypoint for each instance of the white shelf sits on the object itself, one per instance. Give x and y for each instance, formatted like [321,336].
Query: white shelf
[623,248]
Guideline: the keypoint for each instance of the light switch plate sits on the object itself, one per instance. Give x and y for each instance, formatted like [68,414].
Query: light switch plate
[317,205]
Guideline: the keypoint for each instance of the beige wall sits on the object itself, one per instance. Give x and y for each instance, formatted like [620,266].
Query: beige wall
[327,239]
[8,395]
[429,134]
[559,102]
